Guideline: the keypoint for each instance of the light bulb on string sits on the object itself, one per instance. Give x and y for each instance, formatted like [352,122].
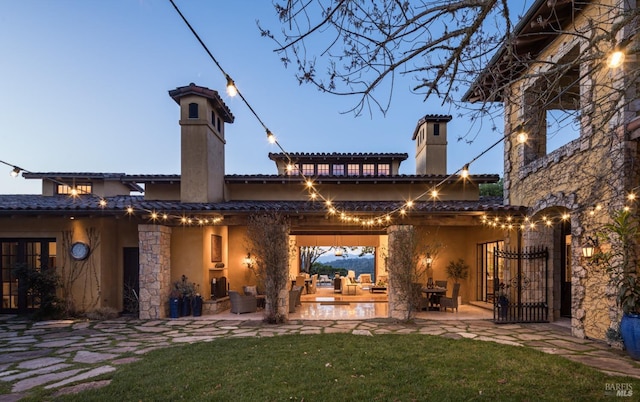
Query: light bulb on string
[270,137]
[465,171]
[15,172]
[615,59]
[521,135]
[231,87]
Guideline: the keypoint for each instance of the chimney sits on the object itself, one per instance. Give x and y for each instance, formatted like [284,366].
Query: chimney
[430,136]
[202,118]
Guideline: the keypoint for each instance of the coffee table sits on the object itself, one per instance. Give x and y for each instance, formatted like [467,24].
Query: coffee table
[374,289]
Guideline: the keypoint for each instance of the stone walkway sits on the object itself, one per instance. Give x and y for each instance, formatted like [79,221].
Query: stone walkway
[67,355]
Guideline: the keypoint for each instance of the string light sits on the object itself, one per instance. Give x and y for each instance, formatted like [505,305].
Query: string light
[231,87]
[521,135]
[616,58]
[270,137]
[465,172]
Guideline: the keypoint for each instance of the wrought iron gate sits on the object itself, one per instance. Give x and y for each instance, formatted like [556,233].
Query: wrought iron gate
[520,285]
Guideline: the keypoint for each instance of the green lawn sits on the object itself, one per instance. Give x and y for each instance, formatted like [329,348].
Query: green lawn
[345,367]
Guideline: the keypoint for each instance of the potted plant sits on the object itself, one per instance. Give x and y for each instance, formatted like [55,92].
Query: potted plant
[457,270]
[187,292]
[502,300]
[175,302]
[620,262]
[196,304]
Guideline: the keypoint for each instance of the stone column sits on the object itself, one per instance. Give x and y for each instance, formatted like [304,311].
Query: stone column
[398,307]
[155,270]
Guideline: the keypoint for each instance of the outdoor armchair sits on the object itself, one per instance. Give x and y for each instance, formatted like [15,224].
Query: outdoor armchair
[241,303]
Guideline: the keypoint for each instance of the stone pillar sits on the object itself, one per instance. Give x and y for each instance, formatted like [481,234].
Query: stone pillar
[398,305]
[155,270]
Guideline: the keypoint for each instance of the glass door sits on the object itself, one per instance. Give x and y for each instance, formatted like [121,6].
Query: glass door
[23,254]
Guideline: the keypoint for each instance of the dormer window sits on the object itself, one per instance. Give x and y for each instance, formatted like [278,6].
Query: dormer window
[353,169]
[308,169]
[323,169]
[338,170]
[193,110]
[368,169]
[80,189]
[384,169]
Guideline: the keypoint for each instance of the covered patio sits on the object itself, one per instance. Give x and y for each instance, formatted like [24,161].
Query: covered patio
[327,305]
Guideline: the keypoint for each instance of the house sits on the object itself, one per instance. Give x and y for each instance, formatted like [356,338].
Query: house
[556,71]
[111,234]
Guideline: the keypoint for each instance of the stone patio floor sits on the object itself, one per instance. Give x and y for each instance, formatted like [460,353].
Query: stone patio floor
[67,355]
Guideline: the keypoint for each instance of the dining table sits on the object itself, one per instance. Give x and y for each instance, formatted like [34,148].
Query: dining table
[433,291]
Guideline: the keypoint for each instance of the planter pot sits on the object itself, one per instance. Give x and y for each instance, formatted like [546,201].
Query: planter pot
[630,331]
[503,307]
[186,307]
[174,307]
[196,306]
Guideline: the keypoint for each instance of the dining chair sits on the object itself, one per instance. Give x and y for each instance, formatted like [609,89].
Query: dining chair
[312,286]
[451,302]
[301,281]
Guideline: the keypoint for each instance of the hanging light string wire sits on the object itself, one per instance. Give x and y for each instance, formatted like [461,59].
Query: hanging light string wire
[313,192]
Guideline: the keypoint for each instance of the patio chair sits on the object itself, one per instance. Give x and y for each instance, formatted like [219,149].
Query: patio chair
[322,279]
[365,281]
[422,301]
[301,281]
[294,298]
[241,303]
[312,286]
[451,302]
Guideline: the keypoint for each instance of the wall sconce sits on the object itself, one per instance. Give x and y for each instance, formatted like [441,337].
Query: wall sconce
[589,248]
[248,261]
[428,260]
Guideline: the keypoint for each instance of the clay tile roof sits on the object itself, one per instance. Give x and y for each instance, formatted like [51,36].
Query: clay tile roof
[61,205]
[337,155]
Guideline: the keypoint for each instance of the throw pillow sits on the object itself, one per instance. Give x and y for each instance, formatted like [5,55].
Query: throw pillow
[250,291]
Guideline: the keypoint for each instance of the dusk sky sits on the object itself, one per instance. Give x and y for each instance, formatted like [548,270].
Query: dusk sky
[84,89]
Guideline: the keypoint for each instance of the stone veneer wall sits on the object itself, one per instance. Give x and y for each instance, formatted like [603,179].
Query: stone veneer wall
[397,309]
[155,270]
